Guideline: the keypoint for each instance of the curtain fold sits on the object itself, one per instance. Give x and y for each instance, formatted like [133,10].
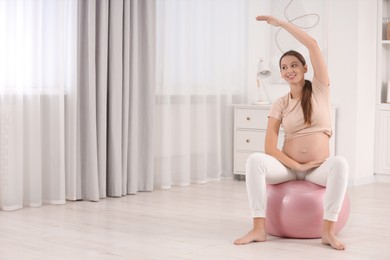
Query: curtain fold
[113,103]
[142,98]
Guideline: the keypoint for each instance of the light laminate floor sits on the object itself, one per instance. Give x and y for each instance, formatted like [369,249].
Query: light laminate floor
[195,222]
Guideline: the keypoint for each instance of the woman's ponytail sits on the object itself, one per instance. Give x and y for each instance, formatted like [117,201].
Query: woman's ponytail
[306,102]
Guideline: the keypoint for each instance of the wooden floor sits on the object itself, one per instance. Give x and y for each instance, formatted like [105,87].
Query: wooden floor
[196,222]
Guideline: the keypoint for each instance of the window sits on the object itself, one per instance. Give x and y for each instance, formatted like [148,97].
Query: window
[37,49]
[201,46]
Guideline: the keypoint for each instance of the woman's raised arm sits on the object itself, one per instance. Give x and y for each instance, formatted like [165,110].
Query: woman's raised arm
[316,58]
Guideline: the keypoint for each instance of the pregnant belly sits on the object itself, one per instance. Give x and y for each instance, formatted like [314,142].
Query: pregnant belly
[308,148]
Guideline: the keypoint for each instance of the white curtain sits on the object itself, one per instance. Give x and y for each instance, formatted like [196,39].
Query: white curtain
[65,55]
[36,67]
[201,72]
[110,114]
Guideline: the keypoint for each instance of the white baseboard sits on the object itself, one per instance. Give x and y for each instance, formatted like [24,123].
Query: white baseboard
[362,181]
[382,178]
[369,179]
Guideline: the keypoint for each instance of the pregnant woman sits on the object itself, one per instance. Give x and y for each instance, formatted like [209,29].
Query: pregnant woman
[304,113]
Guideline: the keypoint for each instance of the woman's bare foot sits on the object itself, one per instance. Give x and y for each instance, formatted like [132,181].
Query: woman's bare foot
[331,240]
[252,236]
[328,236]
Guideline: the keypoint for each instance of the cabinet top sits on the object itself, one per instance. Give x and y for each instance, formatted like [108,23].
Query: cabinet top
[384,106]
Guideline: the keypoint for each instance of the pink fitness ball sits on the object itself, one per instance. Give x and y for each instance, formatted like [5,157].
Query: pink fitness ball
[295,210]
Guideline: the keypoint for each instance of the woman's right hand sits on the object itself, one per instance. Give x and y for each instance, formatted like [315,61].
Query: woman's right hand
[309,165]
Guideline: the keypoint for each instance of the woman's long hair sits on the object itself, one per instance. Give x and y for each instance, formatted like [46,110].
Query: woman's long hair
[307,88]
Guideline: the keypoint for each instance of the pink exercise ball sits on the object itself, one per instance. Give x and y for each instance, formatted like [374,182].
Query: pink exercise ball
[295,210]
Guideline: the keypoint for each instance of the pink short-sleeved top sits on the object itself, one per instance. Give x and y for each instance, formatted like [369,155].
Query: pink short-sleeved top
[289,112]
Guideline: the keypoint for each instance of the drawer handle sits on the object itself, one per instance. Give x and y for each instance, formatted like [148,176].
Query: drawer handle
[248,118]
[248,141]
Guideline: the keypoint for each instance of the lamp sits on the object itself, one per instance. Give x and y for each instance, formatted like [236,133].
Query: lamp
[263,71]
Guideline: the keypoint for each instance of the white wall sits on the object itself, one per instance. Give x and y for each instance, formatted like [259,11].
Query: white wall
[366,98]
[352,68]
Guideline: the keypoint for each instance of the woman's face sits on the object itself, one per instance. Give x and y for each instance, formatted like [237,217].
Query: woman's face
[292,70]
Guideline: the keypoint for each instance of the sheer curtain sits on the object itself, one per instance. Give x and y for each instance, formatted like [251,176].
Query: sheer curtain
[36,66]
[201,72]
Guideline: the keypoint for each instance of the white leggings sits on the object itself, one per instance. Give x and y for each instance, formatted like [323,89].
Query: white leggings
[262,169]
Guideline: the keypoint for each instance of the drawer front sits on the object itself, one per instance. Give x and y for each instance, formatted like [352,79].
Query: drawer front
[250,140]
[251,118]
[240,161]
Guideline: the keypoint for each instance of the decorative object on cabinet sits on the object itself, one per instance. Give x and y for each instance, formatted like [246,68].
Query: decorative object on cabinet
[388,92]
[263,71]
[250,126]
[387,25]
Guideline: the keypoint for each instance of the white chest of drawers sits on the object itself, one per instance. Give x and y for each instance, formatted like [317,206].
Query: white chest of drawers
[250,126]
